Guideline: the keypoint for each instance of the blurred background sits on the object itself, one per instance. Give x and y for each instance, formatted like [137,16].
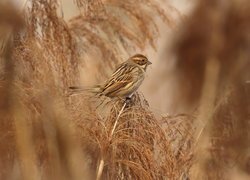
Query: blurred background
[189,119]
[152,88]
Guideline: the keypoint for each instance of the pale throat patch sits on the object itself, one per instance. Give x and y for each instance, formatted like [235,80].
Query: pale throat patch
[144,67]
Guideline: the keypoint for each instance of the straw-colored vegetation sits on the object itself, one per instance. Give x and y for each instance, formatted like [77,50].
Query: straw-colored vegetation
[46,134]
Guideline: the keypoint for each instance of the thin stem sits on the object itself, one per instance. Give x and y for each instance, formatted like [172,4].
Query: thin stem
[208,96]
[101,164]
[116,121]
[100,169]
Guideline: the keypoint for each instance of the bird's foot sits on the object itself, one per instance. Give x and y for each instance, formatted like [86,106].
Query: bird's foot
[128,101]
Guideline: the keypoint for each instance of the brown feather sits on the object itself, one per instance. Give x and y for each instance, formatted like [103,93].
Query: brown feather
[125,80]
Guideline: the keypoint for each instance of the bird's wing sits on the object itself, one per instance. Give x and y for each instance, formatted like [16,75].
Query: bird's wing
[122,78]
[117,84]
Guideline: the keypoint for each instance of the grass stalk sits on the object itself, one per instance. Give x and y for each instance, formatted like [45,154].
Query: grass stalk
[116,121]
[101,164]
[100,169]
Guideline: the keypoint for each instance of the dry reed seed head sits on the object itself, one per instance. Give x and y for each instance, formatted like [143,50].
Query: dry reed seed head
[230,129]
[10,23]
[193,48]
[27,48]
[139,30]
[139,147]
[218,37]
[237,42]
[53,36]
[207,37]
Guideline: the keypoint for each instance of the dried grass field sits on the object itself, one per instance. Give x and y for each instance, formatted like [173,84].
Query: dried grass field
[202,81]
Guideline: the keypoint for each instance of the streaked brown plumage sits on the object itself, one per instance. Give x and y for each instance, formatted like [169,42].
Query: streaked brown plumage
[125,80]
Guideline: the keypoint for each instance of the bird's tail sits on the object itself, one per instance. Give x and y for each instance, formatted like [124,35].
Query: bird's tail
[74,90]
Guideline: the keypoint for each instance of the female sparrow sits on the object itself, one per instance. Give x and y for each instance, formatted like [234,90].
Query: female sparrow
[125,80]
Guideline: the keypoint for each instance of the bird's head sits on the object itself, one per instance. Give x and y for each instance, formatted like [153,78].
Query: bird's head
[140,60]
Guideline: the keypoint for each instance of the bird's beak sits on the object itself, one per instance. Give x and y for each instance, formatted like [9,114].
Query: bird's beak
[149,63]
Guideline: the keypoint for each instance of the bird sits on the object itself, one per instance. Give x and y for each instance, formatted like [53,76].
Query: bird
[124,81]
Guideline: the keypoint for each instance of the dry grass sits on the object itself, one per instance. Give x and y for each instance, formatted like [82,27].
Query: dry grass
[44,134]
[213,65]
